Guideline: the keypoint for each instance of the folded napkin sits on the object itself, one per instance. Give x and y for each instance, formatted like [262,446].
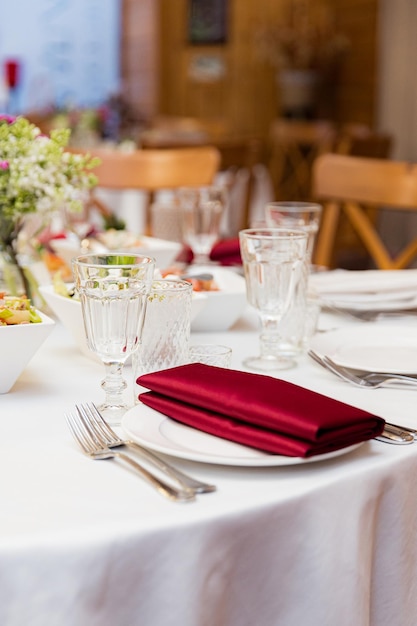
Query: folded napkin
[258,411]
[365,283]
[225,252]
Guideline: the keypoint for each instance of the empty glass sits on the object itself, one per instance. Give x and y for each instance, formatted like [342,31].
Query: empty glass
[299,215]
[211,354]
[113,290]
[166,330]
[297,324]
[201,210]
[275,262]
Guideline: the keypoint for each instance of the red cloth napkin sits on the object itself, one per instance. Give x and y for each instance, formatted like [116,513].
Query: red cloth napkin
[225,252]
[258,411]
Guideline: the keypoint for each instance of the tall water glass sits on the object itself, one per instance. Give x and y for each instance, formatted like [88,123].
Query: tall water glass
[275,262]
[299,321]
[201,210]
[299,215]
[166,330]
[113,290]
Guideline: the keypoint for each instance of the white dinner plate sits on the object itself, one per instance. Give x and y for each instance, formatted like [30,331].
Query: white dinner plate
[380,348]
[162,434]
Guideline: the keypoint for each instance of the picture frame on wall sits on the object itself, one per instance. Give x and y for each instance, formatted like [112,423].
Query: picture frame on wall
[207,22]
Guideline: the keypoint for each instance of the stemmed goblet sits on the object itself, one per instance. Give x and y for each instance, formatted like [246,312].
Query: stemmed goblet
[113,290]
[201,210]
[275,262]
[299,215]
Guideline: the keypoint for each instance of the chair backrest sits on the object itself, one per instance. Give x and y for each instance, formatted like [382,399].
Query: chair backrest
[357,188]
[294,145]
[360,140]
[238,154]
[153,170]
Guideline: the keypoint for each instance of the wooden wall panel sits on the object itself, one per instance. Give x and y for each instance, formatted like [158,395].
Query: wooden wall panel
[139,55]
[155,40]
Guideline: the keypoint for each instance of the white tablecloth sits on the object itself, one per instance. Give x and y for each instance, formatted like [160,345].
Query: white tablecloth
[86,543]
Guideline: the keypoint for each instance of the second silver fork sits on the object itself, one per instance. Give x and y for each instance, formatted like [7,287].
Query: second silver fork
[343,374]
[97,425]
[370,380]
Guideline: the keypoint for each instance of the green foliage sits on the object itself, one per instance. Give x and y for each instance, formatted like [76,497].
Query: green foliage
[37,174]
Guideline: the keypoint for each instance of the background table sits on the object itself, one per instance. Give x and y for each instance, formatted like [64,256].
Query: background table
[86,543]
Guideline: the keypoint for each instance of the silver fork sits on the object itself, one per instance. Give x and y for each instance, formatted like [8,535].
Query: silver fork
[369,316]
[94,421]
[95,450]
[346,375]
[371,380]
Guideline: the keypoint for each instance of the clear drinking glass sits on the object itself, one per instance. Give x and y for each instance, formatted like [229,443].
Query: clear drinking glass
[201,210]
[113,290]
[275,262]
[166,329]
[296,327]
[211,354]
[299,215]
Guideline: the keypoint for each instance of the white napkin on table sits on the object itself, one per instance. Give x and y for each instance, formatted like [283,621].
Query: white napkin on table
[366,286]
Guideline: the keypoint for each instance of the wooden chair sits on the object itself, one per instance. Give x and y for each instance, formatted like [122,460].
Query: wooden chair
[356,188]
[153,170]
[294,145]
[360,140]
[238,153]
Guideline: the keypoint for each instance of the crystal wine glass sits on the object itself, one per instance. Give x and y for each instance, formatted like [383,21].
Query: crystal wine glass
[113,290]
[275,262]
[201,210]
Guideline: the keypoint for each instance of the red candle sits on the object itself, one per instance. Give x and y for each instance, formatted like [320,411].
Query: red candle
[12,73]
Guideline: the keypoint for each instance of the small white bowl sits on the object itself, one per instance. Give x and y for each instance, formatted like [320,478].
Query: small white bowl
[19,343]
[223,307]
[164,252]
[68,311]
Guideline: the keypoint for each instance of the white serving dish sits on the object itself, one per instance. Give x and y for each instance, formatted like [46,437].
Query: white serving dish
[68,311]
[19,343]
[223,307]
[164,252]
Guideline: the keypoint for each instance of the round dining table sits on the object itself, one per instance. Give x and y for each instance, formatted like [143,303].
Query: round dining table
[90,543]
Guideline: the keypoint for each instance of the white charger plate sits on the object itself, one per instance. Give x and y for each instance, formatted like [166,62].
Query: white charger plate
[157,432]
[380,348]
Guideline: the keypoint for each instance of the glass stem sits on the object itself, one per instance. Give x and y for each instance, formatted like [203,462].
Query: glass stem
[114,384]
[270,336]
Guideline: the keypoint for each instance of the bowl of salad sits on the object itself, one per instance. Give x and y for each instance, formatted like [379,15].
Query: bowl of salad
[23,330]
[225,291]
[63,301]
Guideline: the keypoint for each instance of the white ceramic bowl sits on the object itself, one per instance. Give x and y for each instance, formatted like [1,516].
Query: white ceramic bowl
[19,343]
[68,311]
[223,307]
[164,252]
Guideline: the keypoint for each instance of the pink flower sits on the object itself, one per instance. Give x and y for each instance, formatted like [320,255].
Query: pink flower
[4,165]
[7,118]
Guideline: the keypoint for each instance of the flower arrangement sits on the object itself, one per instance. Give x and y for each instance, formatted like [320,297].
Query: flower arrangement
[37,176]
[307,40]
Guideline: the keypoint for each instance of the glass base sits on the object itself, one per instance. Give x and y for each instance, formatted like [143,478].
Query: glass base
[203,261]
[113,413]
[269,363]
